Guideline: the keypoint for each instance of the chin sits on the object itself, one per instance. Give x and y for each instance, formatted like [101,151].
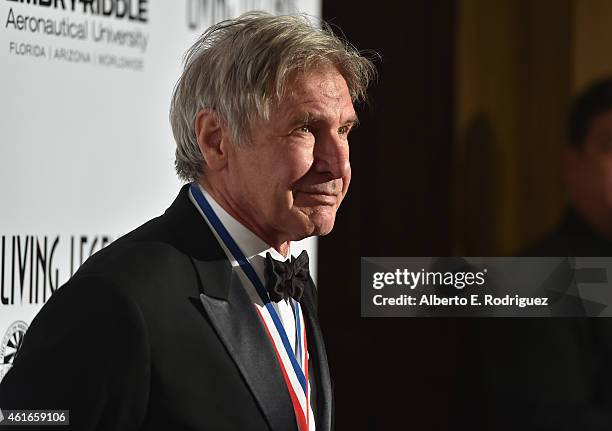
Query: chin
[322,224]
[313,222]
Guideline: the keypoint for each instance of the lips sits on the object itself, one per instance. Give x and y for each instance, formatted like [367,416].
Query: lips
[327,193]
[318,192]
[327,189]
[316,197]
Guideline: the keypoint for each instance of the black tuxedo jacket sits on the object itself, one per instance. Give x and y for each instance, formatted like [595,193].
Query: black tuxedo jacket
[156,332]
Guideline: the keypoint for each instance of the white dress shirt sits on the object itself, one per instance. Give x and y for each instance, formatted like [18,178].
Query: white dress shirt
[255,250]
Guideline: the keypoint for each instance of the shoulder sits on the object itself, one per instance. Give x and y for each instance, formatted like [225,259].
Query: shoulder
[153,265]
[148,252]
[149,266]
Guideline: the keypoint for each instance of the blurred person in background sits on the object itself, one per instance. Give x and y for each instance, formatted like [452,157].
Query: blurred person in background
[553,374]
[586,228]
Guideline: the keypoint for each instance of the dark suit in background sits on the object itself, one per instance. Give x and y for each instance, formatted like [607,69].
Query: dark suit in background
[572,237]
[542,374]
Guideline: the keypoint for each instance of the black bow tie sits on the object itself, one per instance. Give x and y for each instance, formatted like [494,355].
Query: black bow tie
[287,279]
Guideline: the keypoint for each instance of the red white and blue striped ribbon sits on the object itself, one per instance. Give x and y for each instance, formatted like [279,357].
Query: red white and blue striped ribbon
[294,365]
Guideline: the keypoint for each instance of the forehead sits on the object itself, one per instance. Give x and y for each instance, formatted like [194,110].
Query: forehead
[321,91]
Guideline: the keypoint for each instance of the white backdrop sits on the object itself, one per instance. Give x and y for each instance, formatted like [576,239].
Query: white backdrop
[87,151]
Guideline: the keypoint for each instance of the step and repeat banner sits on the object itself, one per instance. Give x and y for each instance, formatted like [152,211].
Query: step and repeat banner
[87,152]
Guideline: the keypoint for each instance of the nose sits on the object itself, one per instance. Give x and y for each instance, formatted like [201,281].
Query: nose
[331,156]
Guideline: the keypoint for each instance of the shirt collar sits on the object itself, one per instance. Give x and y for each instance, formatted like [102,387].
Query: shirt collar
[250,244]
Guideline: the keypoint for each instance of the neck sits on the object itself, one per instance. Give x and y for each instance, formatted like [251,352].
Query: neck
[227,204]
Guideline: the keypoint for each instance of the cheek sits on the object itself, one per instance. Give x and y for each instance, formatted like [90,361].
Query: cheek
[282,177]
[255,181]
[601,175]
[296,166]
[302,160]
[595,181]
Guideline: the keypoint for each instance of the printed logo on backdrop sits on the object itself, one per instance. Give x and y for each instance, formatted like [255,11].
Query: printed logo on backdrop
[201,14]
[30,265]
[10,344]
[105,33]
[32,268]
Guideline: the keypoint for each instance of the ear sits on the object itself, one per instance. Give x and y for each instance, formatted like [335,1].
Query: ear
[212,139]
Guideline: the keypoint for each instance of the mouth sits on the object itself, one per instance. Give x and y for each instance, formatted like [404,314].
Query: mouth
[315,198]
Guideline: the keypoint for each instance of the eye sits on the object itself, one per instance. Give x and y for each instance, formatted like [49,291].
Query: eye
[304,129]
[344,130]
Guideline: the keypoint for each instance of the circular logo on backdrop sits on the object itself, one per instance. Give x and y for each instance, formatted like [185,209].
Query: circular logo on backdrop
[10,346]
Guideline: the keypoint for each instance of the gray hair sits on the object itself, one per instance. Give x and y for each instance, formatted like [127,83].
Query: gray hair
[240,67]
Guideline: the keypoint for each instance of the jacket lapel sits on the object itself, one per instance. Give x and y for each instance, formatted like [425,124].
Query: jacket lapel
[316,348]
[240,329]
[226,304]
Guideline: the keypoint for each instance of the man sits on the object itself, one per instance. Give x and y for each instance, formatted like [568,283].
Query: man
[554,373]
[586,228]
[188,322]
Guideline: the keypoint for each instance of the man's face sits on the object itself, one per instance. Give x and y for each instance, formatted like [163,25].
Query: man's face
[290,179]
[590,170]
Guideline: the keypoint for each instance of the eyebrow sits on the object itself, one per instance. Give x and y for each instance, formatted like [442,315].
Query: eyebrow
[309,118]
[353,121]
